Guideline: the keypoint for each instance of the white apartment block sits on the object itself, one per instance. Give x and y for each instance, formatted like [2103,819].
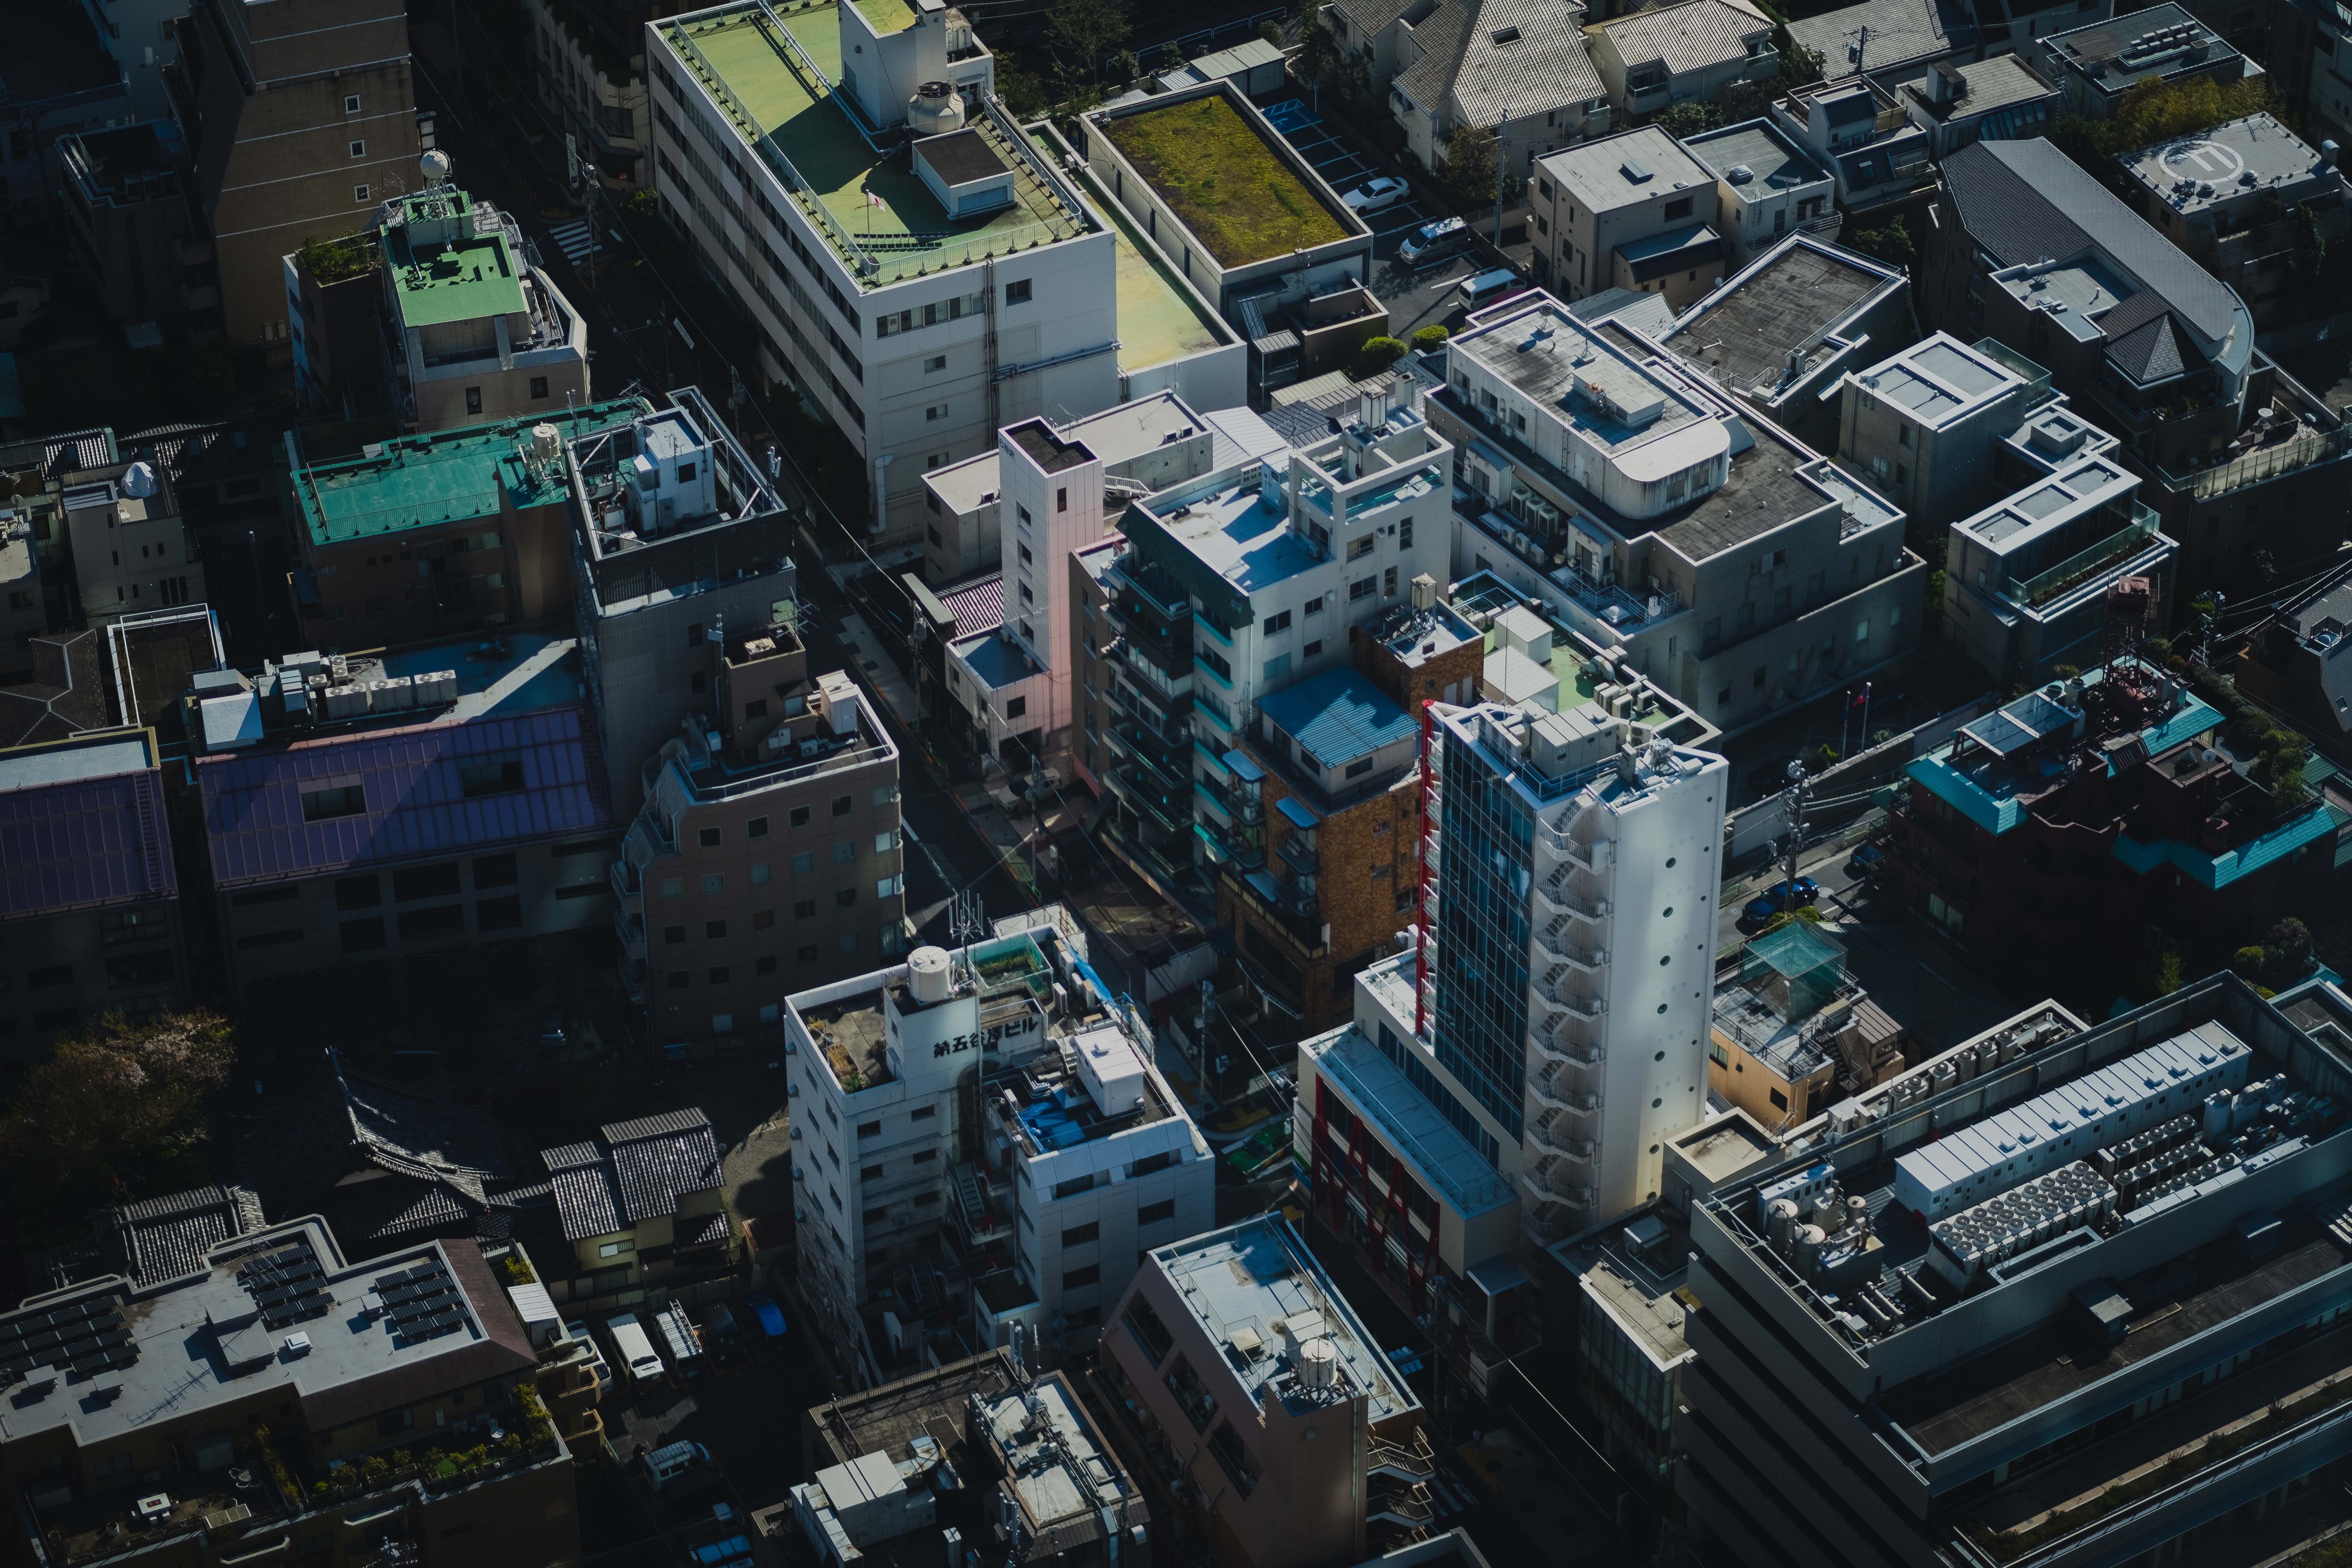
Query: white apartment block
[899,1085]
[1053,490]
[1104,1165]
[914,264]
[1692,540]
[1246,581]
[1565,963]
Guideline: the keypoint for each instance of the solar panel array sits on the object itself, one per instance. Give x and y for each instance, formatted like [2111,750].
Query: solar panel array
[423,1302]
[80,1339]
[289,1285]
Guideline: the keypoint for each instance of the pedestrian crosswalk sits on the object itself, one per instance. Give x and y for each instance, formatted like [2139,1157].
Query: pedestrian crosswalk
[576,240]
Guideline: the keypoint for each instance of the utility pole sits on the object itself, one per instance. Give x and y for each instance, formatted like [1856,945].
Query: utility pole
[1499,126]
[1795,796]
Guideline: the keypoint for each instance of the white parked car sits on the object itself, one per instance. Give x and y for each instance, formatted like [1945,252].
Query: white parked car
[1373,194]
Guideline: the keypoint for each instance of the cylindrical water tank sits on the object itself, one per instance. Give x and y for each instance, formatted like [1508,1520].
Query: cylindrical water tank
[1319,1364]
[927,973]
[1779,1220]
[935,110]
[1857,1214]
[546,442]
[1808,1248]
[1823,1212]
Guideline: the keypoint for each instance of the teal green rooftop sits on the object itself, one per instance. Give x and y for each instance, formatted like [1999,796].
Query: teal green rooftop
[772,72]
[448,476]
[474,276]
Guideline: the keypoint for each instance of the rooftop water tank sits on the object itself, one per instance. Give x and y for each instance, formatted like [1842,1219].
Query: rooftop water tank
[935,110]
[927,973]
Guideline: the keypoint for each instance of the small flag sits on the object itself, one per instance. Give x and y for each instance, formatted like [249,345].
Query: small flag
[1858,699]
[874,201]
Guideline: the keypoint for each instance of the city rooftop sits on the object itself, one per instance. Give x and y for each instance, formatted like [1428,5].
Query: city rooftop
[1255,1288]
[775,69]
[2236,159]
[472,472]
[450,259]
[1939,381]
[1221,177]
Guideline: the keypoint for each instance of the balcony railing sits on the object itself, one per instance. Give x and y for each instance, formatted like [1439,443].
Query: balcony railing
[1298,853]
[2263,465]
[2084,564]
[2037,379]
[1558,901]
[1559,1044]
[1553,939]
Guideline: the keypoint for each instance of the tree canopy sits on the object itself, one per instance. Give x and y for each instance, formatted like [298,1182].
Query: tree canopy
[117,1112]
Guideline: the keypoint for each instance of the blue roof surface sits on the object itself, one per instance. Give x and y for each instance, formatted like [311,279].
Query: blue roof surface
[2220,870]
[68,843]
[414,800]
[1338,716]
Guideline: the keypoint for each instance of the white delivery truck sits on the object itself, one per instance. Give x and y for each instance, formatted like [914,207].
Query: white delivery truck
[635,1352]
[683,1345]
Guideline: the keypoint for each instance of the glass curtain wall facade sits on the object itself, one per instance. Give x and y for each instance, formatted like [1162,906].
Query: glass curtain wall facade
[1484,878]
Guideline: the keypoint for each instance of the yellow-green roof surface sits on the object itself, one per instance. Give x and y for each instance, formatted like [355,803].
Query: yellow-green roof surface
[887,16]
[1157,319]
[476,275]
[780,104]
[448,476]
[1222,180]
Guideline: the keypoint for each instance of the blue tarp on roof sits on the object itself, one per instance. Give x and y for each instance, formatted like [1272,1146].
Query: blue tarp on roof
[1052,1126]
[1338,716]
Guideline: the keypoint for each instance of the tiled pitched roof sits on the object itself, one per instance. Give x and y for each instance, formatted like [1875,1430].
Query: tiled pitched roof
[83,843]
[1689,37]
[2022,201]
[1546,67]
[657,1160]
[342,1119]
[2155,351]
[162,1238]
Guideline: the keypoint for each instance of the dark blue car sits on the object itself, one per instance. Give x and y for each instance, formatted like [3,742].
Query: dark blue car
[1780,896]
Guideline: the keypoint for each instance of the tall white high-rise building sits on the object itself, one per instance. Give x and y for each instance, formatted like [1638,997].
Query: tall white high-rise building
[1566,965]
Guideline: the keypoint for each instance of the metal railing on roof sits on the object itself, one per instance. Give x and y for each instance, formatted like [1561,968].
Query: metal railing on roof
[2036,378]
[2127,541]
[2263,465]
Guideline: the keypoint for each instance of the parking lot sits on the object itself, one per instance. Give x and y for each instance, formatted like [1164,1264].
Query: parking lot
[1416,297]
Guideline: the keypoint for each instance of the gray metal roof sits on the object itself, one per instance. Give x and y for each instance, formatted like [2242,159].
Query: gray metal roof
[2023,201]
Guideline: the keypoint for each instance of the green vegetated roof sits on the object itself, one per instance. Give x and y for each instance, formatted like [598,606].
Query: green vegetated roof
[887,16]
[1219,176]
[448,476]
[472,277]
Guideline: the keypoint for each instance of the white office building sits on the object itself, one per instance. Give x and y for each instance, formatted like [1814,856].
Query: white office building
[914,264]
[946,1106]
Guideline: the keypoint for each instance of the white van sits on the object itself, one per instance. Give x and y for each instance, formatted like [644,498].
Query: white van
[1483,287]
[635,1351]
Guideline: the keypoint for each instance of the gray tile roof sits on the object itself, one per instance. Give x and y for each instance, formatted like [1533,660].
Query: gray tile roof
[2153,353]
[166,1237]
[2022,201]
[1901,31]
[437,1154]
[653,1161]
[656,1161]
[1688,37]
[585,1201]
[1493,60]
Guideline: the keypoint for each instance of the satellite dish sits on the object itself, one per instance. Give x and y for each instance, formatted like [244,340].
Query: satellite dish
[139,481]
[435,165]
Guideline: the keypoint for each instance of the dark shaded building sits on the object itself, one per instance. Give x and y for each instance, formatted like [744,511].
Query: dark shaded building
[2063,843]
[2244,467]
[2297,661]
[644,1208]
[389,1164]
[150,1241]
[1008,1465]
[2148,1370]
[89,898]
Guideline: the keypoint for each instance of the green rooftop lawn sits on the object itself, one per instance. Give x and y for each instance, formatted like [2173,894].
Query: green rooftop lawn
[1222,180]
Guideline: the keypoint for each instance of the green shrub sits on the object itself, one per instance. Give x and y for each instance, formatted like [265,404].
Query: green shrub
[1430,336]
[1375,356]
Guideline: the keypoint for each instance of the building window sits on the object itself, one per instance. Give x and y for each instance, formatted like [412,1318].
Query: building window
[1071,1279]
[673,934]
[539,387]
[1080,1234]
[358,194]
[351,104]
[491,775]
[473,400]
[346,800]
[757,827]
[359,149]
[937,411]
[761,873]
[935,362]
[714,930]
[494,872]
[1280,622]
[804,910]
[1015,707]
[1364,589]
[843,804]
[845,852]
[1017,292]
[715,883]
[844,899]
[1150,1214]
[707,837]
